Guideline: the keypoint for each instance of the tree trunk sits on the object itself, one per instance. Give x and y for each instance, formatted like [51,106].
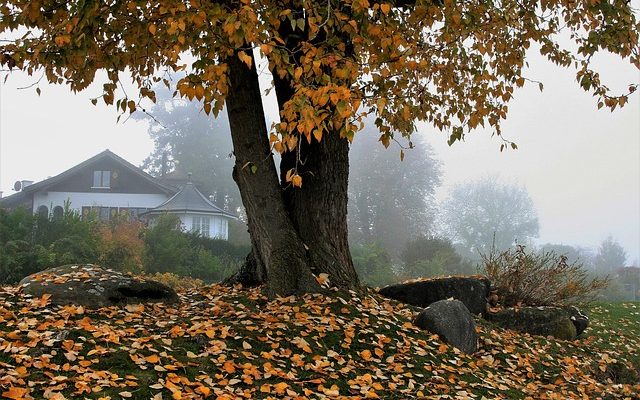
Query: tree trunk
[278,255]
[319,208]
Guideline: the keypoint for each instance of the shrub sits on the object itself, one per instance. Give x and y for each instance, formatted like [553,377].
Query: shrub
[537,279]
[121,246]
[176,282]
[373,264]
[432,256]
[168,249]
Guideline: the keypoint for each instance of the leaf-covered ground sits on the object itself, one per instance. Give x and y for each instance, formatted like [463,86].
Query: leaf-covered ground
[225,343]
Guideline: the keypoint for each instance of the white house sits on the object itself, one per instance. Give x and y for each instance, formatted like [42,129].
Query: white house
[110,186]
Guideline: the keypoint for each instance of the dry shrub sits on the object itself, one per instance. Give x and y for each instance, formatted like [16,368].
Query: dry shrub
[176,282]
[537,279]
[121,246]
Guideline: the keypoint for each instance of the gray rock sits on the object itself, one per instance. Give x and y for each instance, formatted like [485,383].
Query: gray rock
[544,321]
[472,291]
[452,322]
[579,319]
[93,286]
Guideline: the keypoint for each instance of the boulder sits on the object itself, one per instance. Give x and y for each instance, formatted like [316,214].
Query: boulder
[558,322]
[580,320]
[93,286]
[472,291]
[452,322]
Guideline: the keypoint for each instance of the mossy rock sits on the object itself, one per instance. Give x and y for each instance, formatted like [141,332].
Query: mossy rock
[543,321]
[93,286]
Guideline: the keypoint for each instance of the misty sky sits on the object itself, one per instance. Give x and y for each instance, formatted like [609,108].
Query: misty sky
[580,166]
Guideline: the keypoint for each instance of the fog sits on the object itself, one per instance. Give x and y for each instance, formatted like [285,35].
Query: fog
[580,166]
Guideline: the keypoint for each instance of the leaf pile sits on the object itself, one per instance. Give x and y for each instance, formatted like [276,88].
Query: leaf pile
[226,343]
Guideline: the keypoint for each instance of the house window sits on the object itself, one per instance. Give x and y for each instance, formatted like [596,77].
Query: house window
[43,211]
[101,179]
[57,212]
[200,225]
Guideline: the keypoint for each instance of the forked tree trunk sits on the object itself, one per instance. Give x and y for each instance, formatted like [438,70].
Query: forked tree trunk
[278,255]
[294,231]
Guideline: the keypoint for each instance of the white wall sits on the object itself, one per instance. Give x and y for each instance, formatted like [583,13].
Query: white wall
[218,225]
[79,200]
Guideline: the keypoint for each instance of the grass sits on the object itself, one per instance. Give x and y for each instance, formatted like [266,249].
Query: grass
[227,343]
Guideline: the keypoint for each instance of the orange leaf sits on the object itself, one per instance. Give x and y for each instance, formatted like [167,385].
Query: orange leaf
[154,359]
[15,393]
[366,354]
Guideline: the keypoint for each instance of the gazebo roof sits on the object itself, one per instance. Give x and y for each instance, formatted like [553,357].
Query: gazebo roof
[189,200]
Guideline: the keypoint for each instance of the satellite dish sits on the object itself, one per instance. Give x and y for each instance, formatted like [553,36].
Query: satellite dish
[17,186]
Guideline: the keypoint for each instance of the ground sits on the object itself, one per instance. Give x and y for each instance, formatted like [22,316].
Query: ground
[225,343]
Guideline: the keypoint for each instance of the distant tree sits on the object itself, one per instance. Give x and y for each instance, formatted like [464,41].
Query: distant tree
[574,254]
[187,140]
[390,201]
[610,256]
[482,214]
[432,256]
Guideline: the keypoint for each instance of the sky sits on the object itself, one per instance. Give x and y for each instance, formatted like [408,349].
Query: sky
[580,166]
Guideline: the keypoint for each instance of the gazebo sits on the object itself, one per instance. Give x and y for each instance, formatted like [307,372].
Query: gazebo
[196,213]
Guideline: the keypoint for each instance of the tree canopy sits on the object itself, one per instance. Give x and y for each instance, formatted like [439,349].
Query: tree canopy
[453,64]
[484,214]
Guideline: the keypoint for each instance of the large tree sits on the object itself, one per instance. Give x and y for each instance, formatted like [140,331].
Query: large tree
[485,214]
[452,64]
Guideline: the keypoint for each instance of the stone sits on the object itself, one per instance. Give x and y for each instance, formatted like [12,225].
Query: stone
[92,286]
[452,322]
[472,291]
[544,321]
[580,320]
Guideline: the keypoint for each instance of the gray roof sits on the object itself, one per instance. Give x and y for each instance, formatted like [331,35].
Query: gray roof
[43,185]
[189,200]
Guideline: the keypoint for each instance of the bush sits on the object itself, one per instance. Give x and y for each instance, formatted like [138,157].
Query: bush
[538,279]
[176,282]
[432,256]
[168,249]
[121,246]
[373,264]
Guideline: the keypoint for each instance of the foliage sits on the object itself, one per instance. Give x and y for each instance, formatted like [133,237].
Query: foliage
[432,256]
[533,279]
[389,57]
[390,201]
[121,246]
[176,282]
[484,214]
[286,347]
[168,249]
[610,256]
[31,243]
[373,264]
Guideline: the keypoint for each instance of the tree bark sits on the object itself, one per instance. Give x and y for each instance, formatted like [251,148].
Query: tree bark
[278,255]
[319,208]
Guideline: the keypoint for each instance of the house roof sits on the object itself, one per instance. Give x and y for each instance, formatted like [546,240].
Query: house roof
[43,185]
[189,199]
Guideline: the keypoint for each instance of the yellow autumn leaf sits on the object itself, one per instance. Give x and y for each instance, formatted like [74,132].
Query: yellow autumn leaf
[245,58]
[296,180]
